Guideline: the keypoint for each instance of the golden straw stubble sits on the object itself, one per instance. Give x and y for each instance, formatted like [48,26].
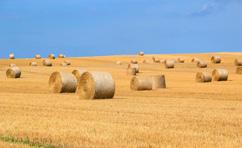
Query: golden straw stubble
[203,77]
[62,82]
[220,75]
[13,72]
[96,85]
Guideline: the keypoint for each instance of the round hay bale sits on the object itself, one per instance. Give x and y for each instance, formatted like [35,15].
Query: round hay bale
[141,53]
[141,83]
[78,73]
[61,56]
[181,60]
[38,56]
[158,82]
[11,56]
[33,64]
[13,72]
[135,66]
[51,56]
[195,60]
[61,82]
[144,61]
[12,65]
[201,64]
[169,64]
[47,62]
[119,63]
[67,62]
[216,59]
[238,62]
[239,70]
[133,61]
[96,85]
[220,75]
[203,77]
[155,60]
[131,71]
[64,64]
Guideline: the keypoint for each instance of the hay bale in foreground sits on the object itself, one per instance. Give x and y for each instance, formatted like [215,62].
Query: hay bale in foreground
[96,85]
[61,82]
[141,83]
[141,53]
[61,56]
[51,56]
[11,56]
[47,62]
[216,59]
[33,64]
[203,77]
[13,72]
[158,82]
[238,62]
[181,60]
[134,66]
[239,70]
[169,64]
[202,64]
[38,56]
[78,72]
[220,75]
[12,65]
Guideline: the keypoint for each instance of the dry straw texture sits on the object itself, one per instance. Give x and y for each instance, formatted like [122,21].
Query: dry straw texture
[141,83]
[239,70]
[11,56]
[203,77]
[202,64]
[158,82]
[38,56]
[51,56]
[169,63]
[96,85]
[61,56]
[47,62]
[220,75]
[61,82]
[134,66]
[33,64]
[13,72]
[78,72]
[216,59]
[238,62]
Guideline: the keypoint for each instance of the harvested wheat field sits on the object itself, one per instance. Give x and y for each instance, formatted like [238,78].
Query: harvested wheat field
[184,114]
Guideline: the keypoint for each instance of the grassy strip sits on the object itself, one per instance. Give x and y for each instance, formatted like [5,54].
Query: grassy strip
[24,141]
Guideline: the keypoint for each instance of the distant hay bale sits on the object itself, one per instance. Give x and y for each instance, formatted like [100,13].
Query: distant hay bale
[47,62]
[67,62]
[220,75]
[134,66]
[144,61]
[238,62]
[216,59]
[96,85]
[141,53]
[239,70]
[12,65]
[11,56]
[33,64]
[38,56]
[155,60]
[78,72]
[201,64]
[140,83]
[158,82]
[13,72]
[64,64]
[181,60]
[131,71]
[169,64]
[203,77]
[119,63]
[61,56]
[61,82]
[51,56]
[133,61]
[195,60]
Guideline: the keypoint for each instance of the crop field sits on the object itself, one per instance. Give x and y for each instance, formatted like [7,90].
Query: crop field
[185,114]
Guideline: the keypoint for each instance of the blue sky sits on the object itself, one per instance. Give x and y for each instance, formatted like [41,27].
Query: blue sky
[109,27]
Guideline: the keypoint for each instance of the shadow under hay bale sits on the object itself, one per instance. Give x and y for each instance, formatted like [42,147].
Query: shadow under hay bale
[13,72]
[96,85]
[202,64]
[203,77]
[216,59]
[220,75]
[61,82]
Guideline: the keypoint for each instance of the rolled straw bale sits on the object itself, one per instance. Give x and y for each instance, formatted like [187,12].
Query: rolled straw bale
[239,70]
[158,82]
[38,56]
[155,60]
[47,62]
[181,60]
[64,64]
[51,56]
[220,75]
[169,63]
[195,60]
[11,56]
[133,61]
[119,63]
[96,85]
[33,64]
[61,82]
[78,72]
[238,62]
[131,71]
[216,59]
[201,64]
[135,66]
[13,72]
[67,62]
[12,65]
[141,83]
[203,77]
[144,61]
[61,56]
[141,53]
